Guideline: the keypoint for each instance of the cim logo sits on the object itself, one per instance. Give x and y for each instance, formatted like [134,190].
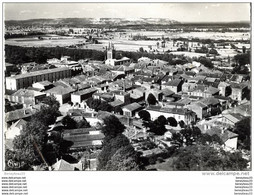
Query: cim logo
[13,164]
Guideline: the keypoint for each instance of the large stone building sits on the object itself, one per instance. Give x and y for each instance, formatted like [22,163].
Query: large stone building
[26,80]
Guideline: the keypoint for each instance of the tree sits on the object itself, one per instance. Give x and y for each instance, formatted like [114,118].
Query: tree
[104,106]
[213,51]
[124,159]
[117,152]
[141,49]
[83,123]
[110,147]
[207,158]
[145,115]
[151,99]
[69,123]
[31,138]
[19,55]
[172,121]
[118,110]
[244,49]
[47,115]
[206,139]
[70,103]
[243,129]
[97,105]
[203,49]
[182,124]
[187,136]
[205,61]
[112,127]
[157,126]
[242,59]
[161,120]
[51,102]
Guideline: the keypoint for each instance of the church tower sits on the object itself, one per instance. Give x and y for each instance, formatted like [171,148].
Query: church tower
[110,51]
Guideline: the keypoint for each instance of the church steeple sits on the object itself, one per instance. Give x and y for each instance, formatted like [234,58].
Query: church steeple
[110,50]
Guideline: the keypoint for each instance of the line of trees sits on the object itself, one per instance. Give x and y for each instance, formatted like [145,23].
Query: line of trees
[20,35]
[19,55]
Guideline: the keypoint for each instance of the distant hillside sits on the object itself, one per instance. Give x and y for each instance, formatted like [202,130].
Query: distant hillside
[81,22]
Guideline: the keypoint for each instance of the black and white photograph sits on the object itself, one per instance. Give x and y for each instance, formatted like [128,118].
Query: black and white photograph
[126,86]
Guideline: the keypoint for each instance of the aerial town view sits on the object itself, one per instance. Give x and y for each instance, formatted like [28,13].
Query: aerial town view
[127,87]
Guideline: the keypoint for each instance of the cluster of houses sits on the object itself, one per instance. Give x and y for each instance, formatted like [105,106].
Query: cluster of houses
[189,93]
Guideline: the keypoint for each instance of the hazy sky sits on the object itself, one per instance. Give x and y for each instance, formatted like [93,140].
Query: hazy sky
[182,12]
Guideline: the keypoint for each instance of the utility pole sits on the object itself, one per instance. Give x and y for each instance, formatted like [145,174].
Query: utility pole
[38,150]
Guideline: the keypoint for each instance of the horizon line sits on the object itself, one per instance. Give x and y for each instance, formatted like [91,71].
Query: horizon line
[239,21]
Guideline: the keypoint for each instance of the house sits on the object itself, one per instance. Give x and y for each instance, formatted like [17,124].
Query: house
[157,93]
[102,88]
[79,96]
[213,105]
[178,113]
[238,91]
[116,103]
[167,93]
[65,62]
[115,62]
[211,91]
[224,88]
[62,83]
[61,94]
[200,109]
[103,96]
[8,67]
[224,101]
[174,85]
[126,70]
[63,165]
[228,137]
[43,85]
[166,79]
[244,109]
[15,129]
[15,115]
[232,118]
[131,109]
[26,97]
[204,92]
[185,101]
[122,96]
[137,94]
[188,87]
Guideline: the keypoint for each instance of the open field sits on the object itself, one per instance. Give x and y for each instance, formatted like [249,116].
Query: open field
[125,44]
[200,35]
[35,42]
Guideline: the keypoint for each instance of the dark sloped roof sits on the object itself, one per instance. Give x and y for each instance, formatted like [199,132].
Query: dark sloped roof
[132,107]
[86,91]
[175,82]
[60,90]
